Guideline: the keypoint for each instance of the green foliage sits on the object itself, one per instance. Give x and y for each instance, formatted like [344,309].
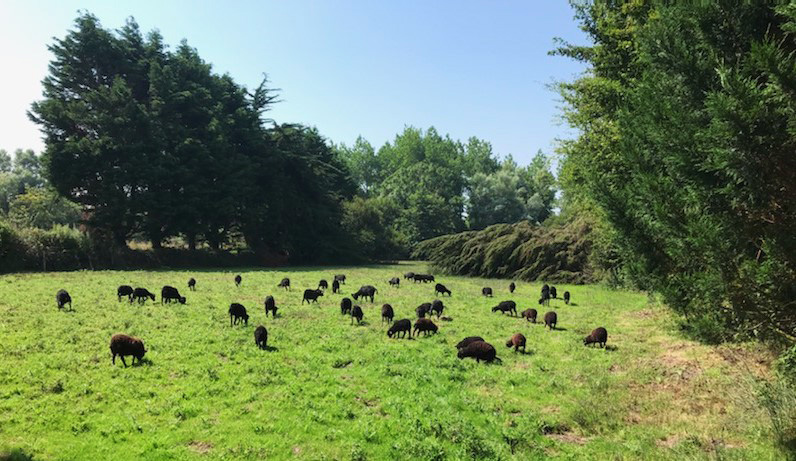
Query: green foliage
[439,186]
[525,251]
[330,390]
[685,154]
[365,220]
[152,142]
[43,208]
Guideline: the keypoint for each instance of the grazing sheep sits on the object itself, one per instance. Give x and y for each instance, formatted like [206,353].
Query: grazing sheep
[192,284]
[479,350]
[400,329]
[437,308]
[284,283]
[63,298]
[365,291]
[261,337]
[441,289]
[566,297]
[553,293]
[335,286]
[387,313]
[125,290]
[529,315]
[356,313]
[598,336]
[517,341]
[311,296]
[238,279]
[545,299]
[168,293]
[323,285]
[409,275]
[545,288]
[345,306]
[141,294]
[506,306]
[512,287]
[425,326]
[486,291]
[237,313]
[425,278]
[123,345]
[467,341]
[550,320]
[270,306]
[340,278]
[395,282]
[422,310]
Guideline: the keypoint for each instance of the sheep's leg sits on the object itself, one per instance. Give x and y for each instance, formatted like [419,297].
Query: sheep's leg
[125,363]
[113,359]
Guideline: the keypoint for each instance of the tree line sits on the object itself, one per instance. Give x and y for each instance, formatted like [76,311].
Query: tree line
[152,144]
[687,122]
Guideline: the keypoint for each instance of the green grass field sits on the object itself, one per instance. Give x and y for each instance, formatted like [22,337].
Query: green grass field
[330,390]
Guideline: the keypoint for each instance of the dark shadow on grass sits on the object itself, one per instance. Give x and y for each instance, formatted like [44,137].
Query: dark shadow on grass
[145,362]
[270,349]
[611,348]
[558,329]
[16,454]
[571,304]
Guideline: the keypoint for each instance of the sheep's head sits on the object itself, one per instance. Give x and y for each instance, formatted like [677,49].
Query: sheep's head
[390,333]
[496,308]
[182,299]
[461,354]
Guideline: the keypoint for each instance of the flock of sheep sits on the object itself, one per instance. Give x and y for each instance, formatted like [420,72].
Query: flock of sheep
[473,346]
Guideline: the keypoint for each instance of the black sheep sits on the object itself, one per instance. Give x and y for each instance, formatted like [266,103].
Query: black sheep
[311,296]
[365,291]
[141,295]
[123,345]
[387,313]
[192,284]
[168,293]
[345,306]
[238,279]
[545,289]
[237,313]
[553,293]
[529,315]
[442,289]
[395,282]
[422,310]
[437,307]
[323,285]
[356,313]
[62,298]
[566,297]
[425,278]
[467,341]
[340,278]
[335,286]
[400,329]
[506,306]
[261,337]
[284,283]
[550,320]
[517,341]
[512,287]
[424,326]
[545,299]
[270,306]
[598,336]
[486,291]
[479,350]
[125,290]
[409,275]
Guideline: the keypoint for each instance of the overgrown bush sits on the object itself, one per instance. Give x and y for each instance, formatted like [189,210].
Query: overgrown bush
[558,253]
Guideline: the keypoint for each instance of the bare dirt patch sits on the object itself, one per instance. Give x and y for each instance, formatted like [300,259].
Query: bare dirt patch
[200,447]
[568,437]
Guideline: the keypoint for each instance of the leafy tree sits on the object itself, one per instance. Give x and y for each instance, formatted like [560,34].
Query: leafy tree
[686,152]
[5,161]
[43,208]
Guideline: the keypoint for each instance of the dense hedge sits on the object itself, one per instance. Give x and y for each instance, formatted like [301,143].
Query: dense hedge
[63,248]
[524,251]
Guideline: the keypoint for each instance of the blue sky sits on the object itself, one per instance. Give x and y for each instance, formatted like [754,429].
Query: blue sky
[469,68]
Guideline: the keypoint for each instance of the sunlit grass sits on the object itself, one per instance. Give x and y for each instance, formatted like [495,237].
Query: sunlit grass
[330,390]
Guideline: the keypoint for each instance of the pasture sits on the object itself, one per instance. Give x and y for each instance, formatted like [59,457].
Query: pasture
[327,389]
